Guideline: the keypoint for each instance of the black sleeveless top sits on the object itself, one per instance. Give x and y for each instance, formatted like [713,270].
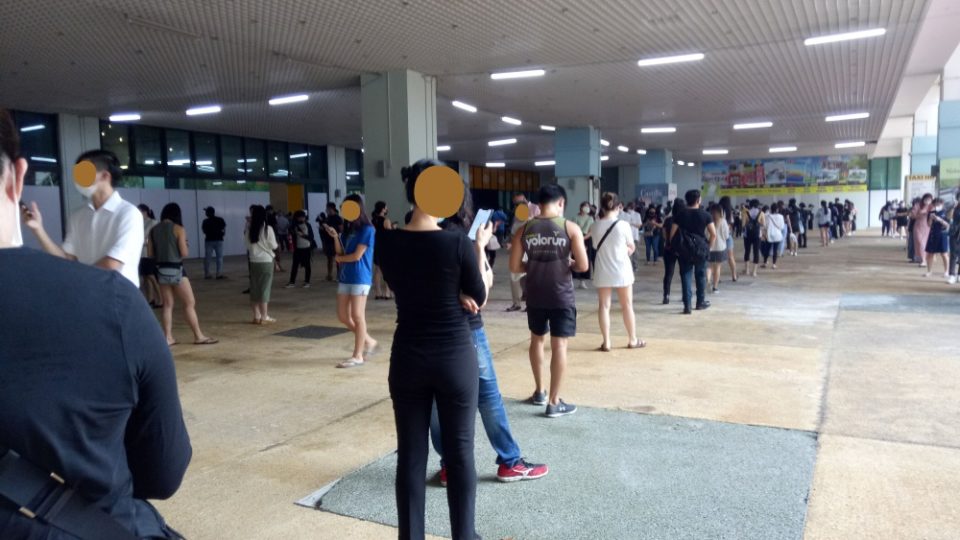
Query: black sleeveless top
[549,278]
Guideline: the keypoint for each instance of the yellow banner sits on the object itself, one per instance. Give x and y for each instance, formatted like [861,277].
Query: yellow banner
[805,190]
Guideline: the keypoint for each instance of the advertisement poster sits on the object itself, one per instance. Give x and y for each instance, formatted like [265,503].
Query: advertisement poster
[949,178]
[920,184]
[786,176]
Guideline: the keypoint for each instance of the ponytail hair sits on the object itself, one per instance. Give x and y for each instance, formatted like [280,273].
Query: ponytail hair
[608,203]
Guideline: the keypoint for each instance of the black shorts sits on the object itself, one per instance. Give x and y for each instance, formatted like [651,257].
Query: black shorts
[148,266]
[561,322]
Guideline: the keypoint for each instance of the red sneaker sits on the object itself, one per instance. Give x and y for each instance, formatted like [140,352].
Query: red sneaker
[443,476]
[521,471]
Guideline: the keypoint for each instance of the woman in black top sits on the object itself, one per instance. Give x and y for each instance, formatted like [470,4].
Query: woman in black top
[432,271]
[669,258]
[380,223]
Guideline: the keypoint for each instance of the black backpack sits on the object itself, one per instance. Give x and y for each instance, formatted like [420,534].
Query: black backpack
[690,248]
[753,226]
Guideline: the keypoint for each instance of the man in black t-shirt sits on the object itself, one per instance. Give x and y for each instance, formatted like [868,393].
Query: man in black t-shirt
[334,220]
[698,223]
[214,229]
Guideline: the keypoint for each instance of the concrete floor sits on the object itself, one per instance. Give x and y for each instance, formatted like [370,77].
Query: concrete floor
[808,347]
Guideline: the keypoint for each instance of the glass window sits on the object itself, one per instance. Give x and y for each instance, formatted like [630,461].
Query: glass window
[277,160]
[131,181]
[318,162]
[154,182]
[178,151]
[38,139]
[298,160]
[255,152]
[205,149]
[231,150]
[354,163]
[116,138]
[35,177]
[147,146]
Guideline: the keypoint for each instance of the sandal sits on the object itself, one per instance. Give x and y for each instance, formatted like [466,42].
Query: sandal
[171,344]
[353,362]
[638,344]
[267,320]
[256,321]
[603,348]
[208,341]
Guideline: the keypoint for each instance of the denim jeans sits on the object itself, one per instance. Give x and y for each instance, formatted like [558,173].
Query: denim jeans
[490,404]
[213,246]
[653,248]
[689,272]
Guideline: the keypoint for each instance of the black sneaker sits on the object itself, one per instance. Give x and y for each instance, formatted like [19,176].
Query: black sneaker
[686,310]
[538,398]
[666,300]
[703,306]
[560,409]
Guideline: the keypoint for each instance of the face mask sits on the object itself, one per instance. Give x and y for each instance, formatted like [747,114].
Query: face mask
[939,208]
[86,191]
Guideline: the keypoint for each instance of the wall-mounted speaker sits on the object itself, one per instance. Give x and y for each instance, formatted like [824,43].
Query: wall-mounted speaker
[382,169]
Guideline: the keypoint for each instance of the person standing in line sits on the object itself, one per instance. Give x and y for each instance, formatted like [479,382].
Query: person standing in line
[903,217]
[107,232]
[824,220]
[585,221]
[214,229]
[651,234]
[88,391]
[355,257]
[921,227]
[518,281]
[261,243]
[794,221]
[335,222]
[669,257]
[168,246]
[718,249]
[380,224]
[304,243]
[804,226]
[613,271]
[730,216]
[954,235]
[885,220]
[753,218]
[283,231]
[512,467]
[434,273]
[273,223]
[938,240]
[148,267]
[549,241]
[635,221]
[771,235]
[698,224]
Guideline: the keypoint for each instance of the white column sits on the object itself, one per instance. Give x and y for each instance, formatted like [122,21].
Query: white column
[336,174]
[77,134]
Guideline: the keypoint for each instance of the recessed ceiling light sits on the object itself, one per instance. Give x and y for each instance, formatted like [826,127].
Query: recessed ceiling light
[443,148]
[502,142]
[753,125]
[288,99]
[544,163]
[690,164]
[641,151]
[851,116]
[495,164]
[664,129]
[716,152]
[548,128]
[124,117]
[604,142]
[463,106]
[35,127]
[681,162]
[604,158]
[623,149]
[353,173]
[846,36]
[518,74]
[854,144]
[510,120]
[670,59]
[775,149]
[209,109]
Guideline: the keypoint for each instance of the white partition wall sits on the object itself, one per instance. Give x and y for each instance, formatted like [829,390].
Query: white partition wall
[316,203]
[48,200]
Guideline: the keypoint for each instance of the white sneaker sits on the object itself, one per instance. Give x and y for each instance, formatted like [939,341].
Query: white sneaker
[952,280]
[927,274]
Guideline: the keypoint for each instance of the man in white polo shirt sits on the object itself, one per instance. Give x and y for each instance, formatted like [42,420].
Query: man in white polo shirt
[108,231]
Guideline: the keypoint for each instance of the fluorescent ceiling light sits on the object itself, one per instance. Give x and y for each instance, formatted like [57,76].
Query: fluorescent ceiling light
[641,151]
[604,158]
[518,74]
[125,117]
[502,142]
[544,163]
[690,164]
[251,160]
[443,148]
[43,159]
[148,162]
[241,181]
[852,116]
[548,128]
[179,162]
[681,162]
[753,125]
[775,149]
[847,36]
[464,106]
[209,109]
[855,144]
[604,142]
[217,182]
[670,59]
[716,152]
[353,173]
[288,99]
[495,165]
[204,163]
[623,149]
[664,129]
[509,120]
[34,127]
[124,167]
[298,156]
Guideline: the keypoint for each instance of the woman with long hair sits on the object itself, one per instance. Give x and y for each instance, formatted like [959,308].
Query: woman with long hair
[938,241]
[729,216]
[168,246]
[669,257]
[435,274]
[355,257]
[753,224]
[718,251]
[921,228]
[380,224]
[261,243]
[613,269]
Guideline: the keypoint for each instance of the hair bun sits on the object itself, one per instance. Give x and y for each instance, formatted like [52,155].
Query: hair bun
[404,173]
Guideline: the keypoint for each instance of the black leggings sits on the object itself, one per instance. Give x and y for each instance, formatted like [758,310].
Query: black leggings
[418,375]
[669,266]
[767,247]
[301,257]
[751,243]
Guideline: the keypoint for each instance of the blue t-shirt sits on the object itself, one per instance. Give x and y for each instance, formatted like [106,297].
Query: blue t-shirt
[360,272]
[501,216]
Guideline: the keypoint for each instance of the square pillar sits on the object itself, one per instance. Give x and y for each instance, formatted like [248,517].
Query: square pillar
[577,155]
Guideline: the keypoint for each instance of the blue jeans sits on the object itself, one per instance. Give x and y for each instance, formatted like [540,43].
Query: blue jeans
[653,246]
[213,246]
[490,404]
[689,271]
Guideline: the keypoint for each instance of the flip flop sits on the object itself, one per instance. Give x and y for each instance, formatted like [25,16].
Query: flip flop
[208,341]
[603,348]
[351,363]
[172,344]
[639,344]
[373,351]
